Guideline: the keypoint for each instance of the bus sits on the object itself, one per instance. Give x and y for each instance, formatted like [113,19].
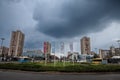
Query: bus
[97,61]
[24,59]
[114,59]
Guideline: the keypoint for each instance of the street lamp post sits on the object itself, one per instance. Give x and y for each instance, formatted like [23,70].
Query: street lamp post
[119,46]
[96,53]
[118,43]
[2,39]
[96,50]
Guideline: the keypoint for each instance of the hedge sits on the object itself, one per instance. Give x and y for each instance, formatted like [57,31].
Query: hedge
[71,68]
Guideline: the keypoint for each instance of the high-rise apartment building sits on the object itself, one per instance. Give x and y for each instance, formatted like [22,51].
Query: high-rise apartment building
[47,51]
[16,43]
[47,48]
[85,45]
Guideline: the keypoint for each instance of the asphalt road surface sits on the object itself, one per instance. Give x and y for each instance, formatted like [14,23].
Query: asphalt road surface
[21,75]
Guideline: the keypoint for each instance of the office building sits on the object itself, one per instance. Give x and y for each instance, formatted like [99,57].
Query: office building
[85,46]
[16,43]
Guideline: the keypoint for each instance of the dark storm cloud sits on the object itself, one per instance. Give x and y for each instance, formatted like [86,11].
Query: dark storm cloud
[75,17]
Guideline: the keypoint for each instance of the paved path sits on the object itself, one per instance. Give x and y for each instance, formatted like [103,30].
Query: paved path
[21,75]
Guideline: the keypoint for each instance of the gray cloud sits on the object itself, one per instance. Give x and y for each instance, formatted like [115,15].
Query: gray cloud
[14,15]
[7,19]
[2,2]
[60,19]
[71,18]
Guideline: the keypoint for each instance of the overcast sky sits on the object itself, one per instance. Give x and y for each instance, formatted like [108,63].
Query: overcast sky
[62,20]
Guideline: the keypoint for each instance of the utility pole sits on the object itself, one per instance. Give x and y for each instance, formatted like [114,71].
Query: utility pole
[62,51]
[2,39]
[53,51]
[96,50]
[71,49]
[119,46]
[45,52]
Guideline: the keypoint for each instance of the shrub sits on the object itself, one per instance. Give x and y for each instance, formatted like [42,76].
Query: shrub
[69,68]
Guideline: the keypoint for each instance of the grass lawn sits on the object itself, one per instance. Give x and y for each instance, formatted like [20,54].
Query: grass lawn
[57,64]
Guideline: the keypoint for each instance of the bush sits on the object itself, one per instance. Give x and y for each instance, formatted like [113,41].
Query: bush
[70,68]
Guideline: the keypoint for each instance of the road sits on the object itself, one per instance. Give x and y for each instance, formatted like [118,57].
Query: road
[21,75]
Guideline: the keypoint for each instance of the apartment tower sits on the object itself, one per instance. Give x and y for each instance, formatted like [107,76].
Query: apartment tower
[47,48]
[16,43]
[85,45]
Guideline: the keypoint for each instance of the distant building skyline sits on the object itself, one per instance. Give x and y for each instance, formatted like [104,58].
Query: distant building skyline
[32,53]
[16,43]
[112,51]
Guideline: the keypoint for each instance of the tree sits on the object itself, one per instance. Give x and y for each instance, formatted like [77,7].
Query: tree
[96,56]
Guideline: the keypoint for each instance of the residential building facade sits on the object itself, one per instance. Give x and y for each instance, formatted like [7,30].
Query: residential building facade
[16,43]
[85,45]
[4,51]
[47,48]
